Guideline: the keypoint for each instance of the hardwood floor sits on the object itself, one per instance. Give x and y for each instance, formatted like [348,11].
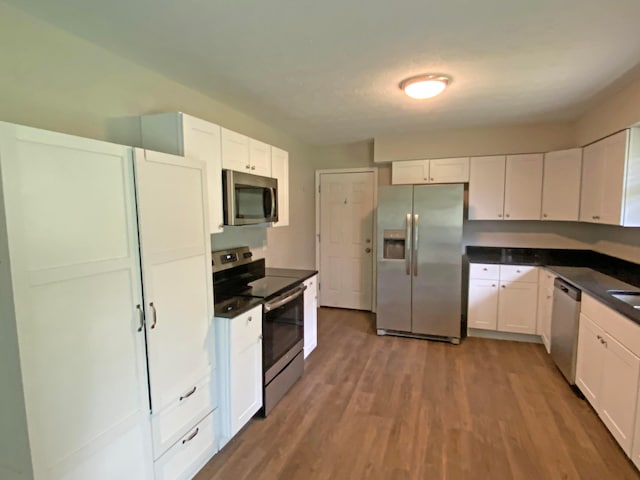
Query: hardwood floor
[372,407]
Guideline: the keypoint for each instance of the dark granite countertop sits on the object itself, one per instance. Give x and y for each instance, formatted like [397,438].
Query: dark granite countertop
[301,275]
[590,271]
[233,306]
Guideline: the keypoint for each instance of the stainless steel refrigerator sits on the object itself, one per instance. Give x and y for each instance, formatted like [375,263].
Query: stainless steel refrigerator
[419,260]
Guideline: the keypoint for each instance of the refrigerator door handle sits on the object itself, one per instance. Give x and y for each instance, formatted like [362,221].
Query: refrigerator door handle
[414,255]
[407,245]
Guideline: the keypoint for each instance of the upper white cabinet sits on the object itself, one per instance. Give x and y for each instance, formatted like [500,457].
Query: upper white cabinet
[608,368]
[310,315]
[259,158]
[611,180]
[508,188]
[442,170]
[561,185]
[245,154]
[486,188]
[523,187]
[280,171]
[181,134]
[72,334]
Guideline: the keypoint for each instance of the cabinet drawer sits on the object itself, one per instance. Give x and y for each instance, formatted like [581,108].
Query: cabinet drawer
[484,271]
[174,421]
[518,273]
[190,452]
[618,326]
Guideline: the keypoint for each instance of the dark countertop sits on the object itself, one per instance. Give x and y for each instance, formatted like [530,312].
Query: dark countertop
[301,275]
[233,306]
[590,271]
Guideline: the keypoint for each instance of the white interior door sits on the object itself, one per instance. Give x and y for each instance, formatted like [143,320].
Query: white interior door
[176,268]
[346,239]
[74,256]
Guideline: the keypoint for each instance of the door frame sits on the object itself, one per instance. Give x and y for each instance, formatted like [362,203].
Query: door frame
[374,226]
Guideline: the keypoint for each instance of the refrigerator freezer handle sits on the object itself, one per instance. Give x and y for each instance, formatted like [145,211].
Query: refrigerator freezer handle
[407,245]
[414,254]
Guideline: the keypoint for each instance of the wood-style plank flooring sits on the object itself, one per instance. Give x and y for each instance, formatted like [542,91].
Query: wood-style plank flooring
[372,407]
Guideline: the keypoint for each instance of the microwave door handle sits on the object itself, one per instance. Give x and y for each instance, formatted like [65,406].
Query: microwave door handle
[273,202]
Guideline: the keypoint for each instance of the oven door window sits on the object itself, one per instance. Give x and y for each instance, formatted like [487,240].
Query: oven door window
[281,330]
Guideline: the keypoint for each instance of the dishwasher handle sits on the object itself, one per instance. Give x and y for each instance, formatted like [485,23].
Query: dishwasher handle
[568,289]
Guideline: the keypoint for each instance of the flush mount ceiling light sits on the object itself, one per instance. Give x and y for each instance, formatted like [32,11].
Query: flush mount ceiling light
[424,86]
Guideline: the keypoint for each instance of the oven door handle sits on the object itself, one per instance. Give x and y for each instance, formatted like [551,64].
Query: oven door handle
[283,299]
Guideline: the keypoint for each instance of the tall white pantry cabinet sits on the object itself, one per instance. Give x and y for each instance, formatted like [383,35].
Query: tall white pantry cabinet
[105,311]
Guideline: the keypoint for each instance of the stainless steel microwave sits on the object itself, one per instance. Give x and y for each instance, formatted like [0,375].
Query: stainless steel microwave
[249,199]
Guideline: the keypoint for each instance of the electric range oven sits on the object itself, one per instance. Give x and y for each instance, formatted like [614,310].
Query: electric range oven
[239,282]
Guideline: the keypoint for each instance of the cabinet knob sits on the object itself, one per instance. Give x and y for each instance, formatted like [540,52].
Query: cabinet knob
[503,286]
[545,215]
[249,319]
[367,250]
[431,179]
[247,166]
[221,225]
[253,167]
[260,337]
[485,269]
[507,215]
[518,271]
[493,284]
[499,215]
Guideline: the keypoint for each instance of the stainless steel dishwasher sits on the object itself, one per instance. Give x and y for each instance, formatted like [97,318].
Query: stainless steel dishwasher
[564,327]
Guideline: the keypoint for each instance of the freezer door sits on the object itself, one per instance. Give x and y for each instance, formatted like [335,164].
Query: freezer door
[393,310]
[437,260]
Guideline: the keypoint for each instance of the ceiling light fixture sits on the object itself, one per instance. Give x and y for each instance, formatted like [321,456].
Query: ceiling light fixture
[425,86]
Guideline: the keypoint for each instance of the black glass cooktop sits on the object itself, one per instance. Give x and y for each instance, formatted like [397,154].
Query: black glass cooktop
[266,287]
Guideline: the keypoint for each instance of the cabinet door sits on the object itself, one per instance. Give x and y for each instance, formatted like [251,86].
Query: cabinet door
[310,315]
[523,187]
[72,234]
[619,391]
[590,360]
[409,172]
[561,185]
[483,304]
[260,158]
[486,188]
[517,307]
[202,142]
[614,154]
[246,368]
[545,305]
[592,187]
[280,171]
[235,151]
[449,170]
[176,266]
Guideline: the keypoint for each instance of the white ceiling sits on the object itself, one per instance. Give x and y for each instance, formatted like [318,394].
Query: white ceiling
[327,71]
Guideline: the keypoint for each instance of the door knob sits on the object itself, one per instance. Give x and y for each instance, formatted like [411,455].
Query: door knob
[368,250]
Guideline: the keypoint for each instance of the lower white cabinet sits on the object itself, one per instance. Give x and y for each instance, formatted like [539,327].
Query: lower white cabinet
[545,306]
[239,347]
[191,452]
[310,315]
[503,298]
[608,370]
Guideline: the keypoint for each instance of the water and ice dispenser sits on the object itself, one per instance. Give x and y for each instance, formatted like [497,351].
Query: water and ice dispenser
[394,244]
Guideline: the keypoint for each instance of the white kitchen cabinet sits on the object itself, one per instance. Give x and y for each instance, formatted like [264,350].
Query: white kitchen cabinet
[561,185]
[410,172]
[523,187]
[441,170]
[280,171]
[235,151]
[608,368]
[611,180]
[259,158]
[176,270]
[74,384]
[503,298]
[545,306]
[239,347]
[483,304]
[310,315]
[449,170]
[181,134]
[486,188]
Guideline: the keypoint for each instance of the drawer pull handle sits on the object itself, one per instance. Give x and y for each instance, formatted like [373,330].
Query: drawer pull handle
[189,393]
[191,437]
